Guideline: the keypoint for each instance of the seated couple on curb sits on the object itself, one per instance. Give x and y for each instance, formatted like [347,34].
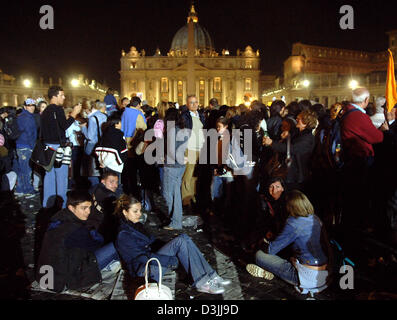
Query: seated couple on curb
[308,269]
[79,258]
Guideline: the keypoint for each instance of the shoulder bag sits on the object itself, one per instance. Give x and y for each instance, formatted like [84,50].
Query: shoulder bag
[153,291]
[43,155]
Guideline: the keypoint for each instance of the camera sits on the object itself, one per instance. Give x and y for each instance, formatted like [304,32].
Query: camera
[63,155]
[59,154]
[67,155]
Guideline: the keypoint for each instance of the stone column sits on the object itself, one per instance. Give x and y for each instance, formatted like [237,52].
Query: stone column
[184,93]
[156,91]
[223,94]
[170,89]
[206,91]
[197,91]
[211,89]
[175,90]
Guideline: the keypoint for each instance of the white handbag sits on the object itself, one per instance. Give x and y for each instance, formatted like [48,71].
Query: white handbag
[153,291]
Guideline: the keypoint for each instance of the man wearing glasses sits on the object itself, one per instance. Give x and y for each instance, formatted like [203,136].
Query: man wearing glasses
[194,120]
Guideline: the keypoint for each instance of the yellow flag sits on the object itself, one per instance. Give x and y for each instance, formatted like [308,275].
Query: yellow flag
[391,92]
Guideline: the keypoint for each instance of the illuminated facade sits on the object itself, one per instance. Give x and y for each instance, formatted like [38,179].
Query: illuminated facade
[327,75]
[14,92]
[230,79]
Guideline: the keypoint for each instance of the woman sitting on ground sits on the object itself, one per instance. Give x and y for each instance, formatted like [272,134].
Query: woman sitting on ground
[307,270]
[271,219]
[134,245]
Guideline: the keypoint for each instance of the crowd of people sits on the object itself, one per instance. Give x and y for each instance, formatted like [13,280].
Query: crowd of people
[272,178]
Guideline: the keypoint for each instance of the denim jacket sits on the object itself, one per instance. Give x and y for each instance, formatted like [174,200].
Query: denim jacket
[135,249]
[304,234]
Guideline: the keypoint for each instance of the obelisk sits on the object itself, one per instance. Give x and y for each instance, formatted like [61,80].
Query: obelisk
[191,20]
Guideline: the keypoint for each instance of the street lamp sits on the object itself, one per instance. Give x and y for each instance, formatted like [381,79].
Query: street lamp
[75,83]
[27,83]
[353,84]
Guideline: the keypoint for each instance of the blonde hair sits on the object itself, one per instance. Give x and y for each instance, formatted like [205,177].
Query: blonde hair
[298,205]
[162,108]
[232,112]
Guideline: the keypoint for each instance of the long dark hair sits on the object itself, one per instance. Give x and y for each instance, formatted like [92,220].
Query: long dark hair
[173,114]
[124,203]
[114,119]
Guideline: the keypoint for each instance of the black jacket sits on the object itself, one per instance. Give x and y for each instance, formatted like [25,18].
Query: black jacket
[189,121]
[270,220]
[68,247]
[114,139]
[274,127]
[302,146]
[49,128]
[101,217]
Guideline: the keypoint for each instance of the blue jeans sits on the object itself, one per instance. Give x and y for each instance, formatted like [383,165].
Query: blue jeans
[218,186]
[55,183]
[171,188]
[190,257]
[106,255]
[278,266]
[24,172]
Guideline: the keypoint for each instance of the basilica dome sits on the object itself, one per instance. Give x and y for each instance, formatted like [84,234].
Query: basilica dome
[202,39]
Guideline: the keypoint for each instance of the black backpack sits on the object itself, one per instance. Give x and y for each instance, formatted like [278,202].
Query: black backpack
[329,147]
[11,128]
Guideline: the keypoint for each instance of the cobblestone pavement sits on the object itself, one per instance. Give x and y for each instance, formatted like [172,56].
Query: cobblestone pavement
[20,228]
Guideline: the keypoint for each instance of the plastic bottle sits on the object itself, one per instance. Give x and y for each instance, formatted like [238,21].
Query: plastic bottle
[337,153]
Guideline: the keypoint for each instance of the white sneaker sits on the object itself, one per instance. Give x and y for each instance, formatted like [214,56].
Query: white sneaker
[221,281]
[212,287]
[114,267]
[257,271]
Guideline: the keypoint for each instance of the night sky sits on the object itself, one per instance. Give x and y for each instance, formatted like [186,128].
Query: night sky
[89,35]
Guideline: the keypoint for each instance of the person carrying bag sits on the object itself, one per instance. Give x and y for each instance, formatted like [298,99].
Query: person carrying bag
[47,157]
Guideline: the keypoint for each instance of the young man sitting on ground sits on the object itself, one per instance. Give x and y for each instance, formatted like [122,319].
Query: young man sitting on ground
[73,251]
[104,195]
